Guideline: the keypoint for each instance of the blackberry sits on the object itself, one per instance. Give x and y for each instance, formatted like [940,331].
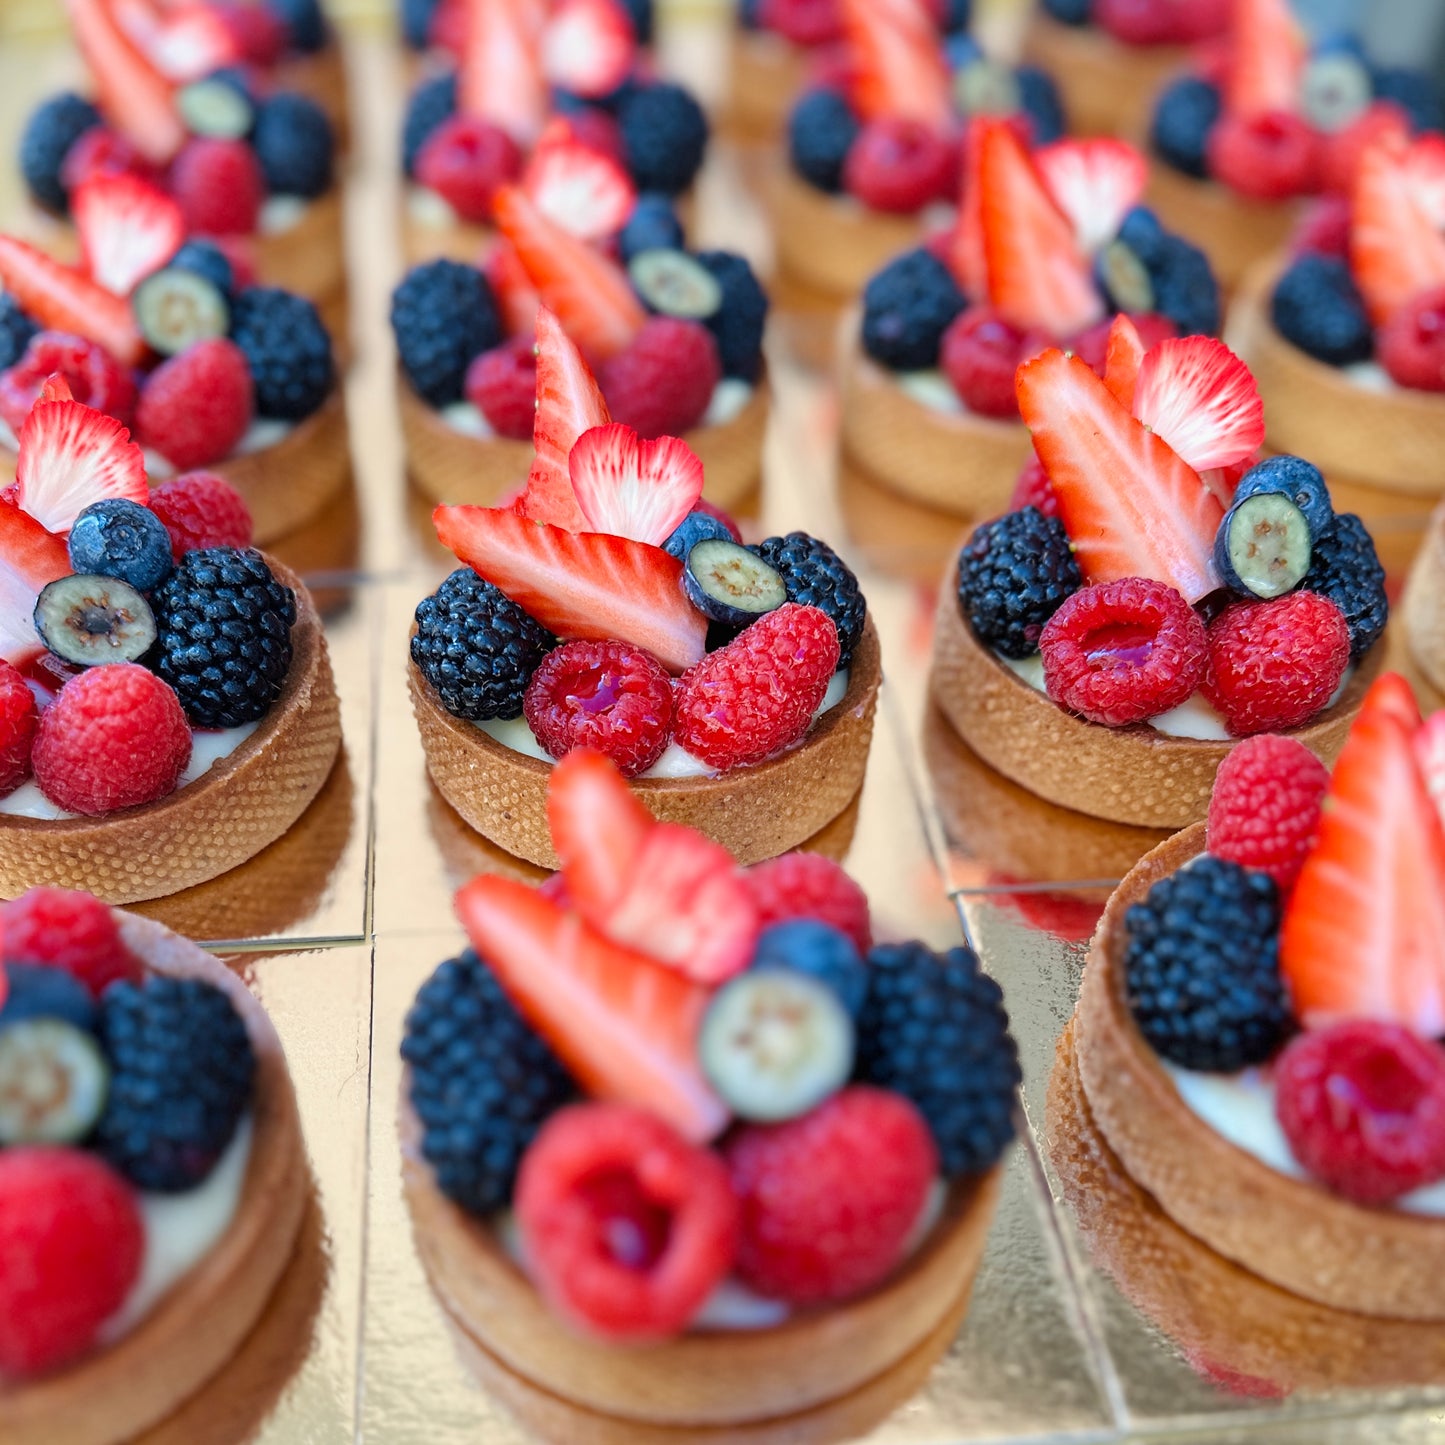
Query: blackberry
[816,576]
[1415,92]
[209,261]
[431,103]
[288,350]
[933,1028]
[652,226]
[444,316]
[41,991]
[1039,97]
[477,647]
[907,307]
[295,145]
[821,132]
[956,15]
[305,23]
[482,1083]
[182,1072]
[1013,575]
[1146,268]
[738,324]
[1201,967]
[1345,568]
[16,329]
[694,528]
[223,642]
[1069,12]
[1184,115]
[1185,289]
[644,21]
[54,126]
[1317,307]
[416,20]
[664,133]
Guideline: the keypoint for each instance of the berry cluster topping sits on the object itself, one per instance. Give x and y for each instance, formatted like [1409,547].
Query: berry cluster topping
[770,1098]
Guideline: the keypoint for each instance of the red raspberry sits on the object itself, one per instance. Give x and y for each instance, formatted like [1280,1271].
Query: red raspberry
[448,29]
[1123,651]
[201,510]
[95,376]
[1324,228]
[1411,344]
[717,514]
[1161,22]
[1363,1107]
[1093,345]
[662,384]
[831,1199]
[900,166]
[464,161]
[1266,157]
[18,716]
[603,695]
[71,1244]
[980,354]
[628,1227]
[239,252]
[1274,665]
[502,385]
[67,930]
[219,186]
[101,151]
[757,695]
[195,408]
[257,30]
[597,130]
[1034,489]
[115,737]
[804,22]
[1382,122]
[1264,812]
[808,885]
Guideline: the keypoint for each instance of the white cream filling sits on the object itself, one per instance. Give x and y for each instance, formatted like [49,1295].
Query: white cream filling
[430,210]
[1371,376]
[280,214]
[264,432]
[931,389]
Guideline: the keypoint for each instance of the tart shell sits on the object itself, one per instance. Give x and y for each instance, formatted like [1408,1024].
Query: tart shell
[766,75]
[1423,606]
[308,258]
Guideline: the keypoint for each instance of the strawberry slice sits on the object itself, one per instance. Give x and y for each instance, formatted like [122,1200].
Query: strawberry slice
[625,1027]
[1392,694]
[631,487]
[1200,397]
[598,828]
[1396,251]
[1430,754]
[1424,160]
[588,291]
[588,47]
[184,42]
[70,456]
[63,300]
[1038,278]
[1095,183]
[966,256]
[511,288]
[501,78]
[1268,54]
[30,559]
[1131,505]
[1364,931]
[579,188]
[1122,359]
[128,228]
[581,584]
[898,67]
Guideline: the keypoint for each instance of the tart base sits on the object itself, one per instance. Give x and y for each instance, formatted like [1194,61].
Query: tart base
[894,534]
[231,812]
[766,74]
[308,258]
[201,1323]
[1289,1231]
[1423,606]
[807,320]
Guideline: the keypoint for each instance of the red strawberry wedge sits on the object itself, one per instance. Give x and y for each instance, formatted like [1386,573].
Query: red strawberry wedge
[898,65]
[189,42]
[625,1027]
[588,47]
[501,77]
[581,584]
[1095,183]
[598,829]
[1130,504]
[1122,358]
[582,190]
[1200,397]
[1267,53]
[128,228]
[30,559]
[64,300]
[1396,250]
[631,487]
[1430,754]
[966,255]
[70,456]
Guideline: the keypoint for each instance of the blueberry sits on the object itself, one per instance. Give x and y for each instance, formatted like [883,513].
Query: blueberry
[1415,92]
[1336,86]
[653,226]
[694,528]
[815,948]
[730,584]
[38,991]
[1039,97]
[821,132]
[1069,12]
[1183,117]
[1146,268]
[1262,548]
[1297,479]
[1317,308]
[118,538]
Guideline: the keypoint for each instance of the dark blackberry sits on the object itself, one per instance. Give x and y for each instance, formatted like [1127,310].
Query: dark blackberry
[295,145]
[482,1083]
[652,226]
[182,1072]
[416,19]
[956,15]
[821,132]
[431,103]
[477,647]
[444,316]
[1014,573]
[1345,568]
[644,21]
[1415,92]
[54,126]
[1146,268]
[664,132]
[1184,114]
[1317,307]
[1185,289]
[223,635]
[816,576]
[907,307]
[205,259]
[288,350]
[1201,967]
[1069,12]
[933,1028]
[305,23]
[738,324]
[748,14]
[16,329]
[1039,97]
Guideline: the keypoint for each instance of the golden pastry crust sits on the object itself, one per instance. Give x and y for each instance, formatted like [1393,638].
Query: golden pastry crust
[309,258]
[1423,606]
[766,75]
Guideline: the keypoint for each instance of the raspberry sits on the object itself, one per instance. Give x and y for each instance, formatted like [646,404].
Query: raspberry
[662,384]
[603,695]
[1161,22]
[1363,1107]
[1034,489]
[1123,651]
[1274,665]
[628,1227]
[599,132]
[67,930]
[464,161]
[71,1242]
[757,695]
[1323,230]
[17,728]
[95,378]
[1382,121]
[201,510]
[1093,344]
[219,187]
[196,407]
[502,385]
[830,1200]
[257,30]
[1265,809]
[900,166]
[980,353]
[103,152]
[115,737]
[1412,342]
[808,885]
[804,22]
[1266,157]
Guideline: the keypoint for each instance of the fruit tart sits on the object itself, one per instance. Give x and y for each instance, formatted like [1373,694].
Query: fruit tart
[1159,595]
[755,1155]
[168,703]
[249,165]
[170,339]
[153,1178]
[1045,247]
[1423,611]
[1258,1029]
